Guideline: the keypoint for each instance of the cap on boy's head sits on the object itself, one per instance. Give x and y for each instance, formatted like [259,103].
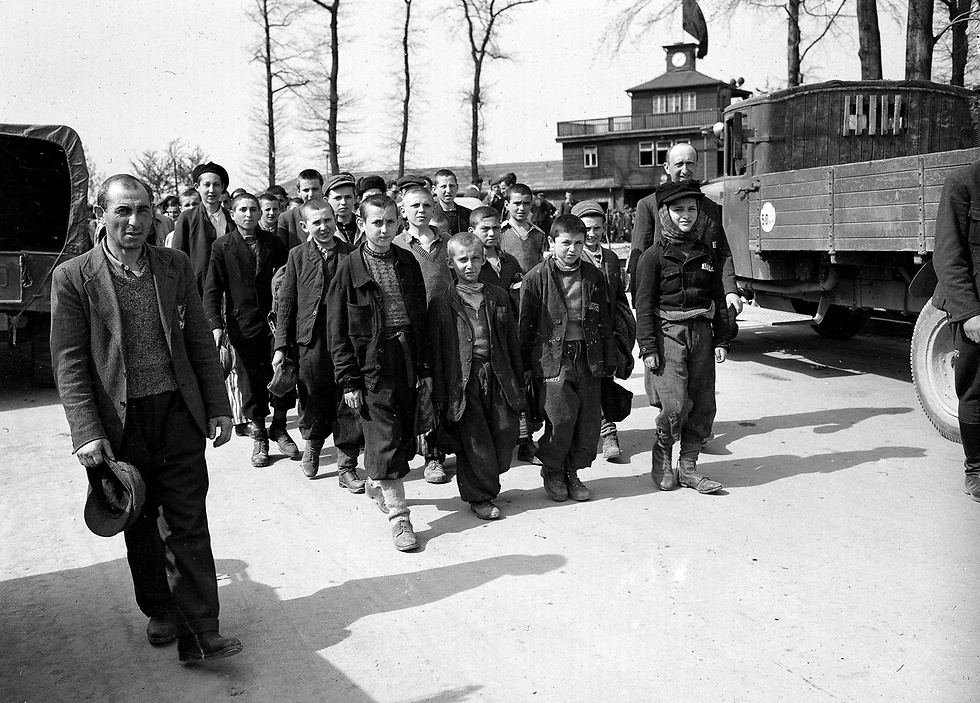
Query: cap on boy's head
[587,208]
[339,181]
[410,182]
[368,182]
[670,191]
[210,167]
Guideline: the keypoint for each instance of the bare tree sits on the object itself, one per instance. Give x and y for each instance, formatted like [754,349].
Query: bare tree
[483,19]
[919,41]
[960,15]
[281,65]
[407,95]
[333,96]
[169,169]
[869,40]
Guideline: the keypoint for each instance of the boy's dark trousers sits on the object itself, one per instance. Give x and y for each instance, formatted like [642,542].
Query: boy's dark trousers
[388,413]
[685,382]
[254,375]
[486,433]
[572,412]
[322,407]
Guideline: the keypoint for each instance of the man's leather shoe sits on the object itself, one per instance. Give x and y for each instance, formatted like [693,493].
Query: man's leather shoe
[278,434]
[576,489]
[972,485]
[610,446]
[349,480]
[311,458]
[554,484]
[688,475]
[260,452]
[433,472]
[404,536]
[485,510]
[161,630]
[206,645]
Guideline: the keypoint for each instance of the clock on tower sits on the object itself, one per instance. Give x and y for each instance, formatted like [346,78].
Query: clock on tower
[680,57]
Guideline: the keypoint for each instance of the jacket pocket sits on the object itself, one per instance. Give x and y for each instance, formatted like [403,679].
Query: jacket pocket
[360,320]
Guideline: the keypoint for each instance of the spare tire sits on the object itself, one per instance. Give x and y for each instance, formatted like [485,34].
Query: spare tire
[932,358]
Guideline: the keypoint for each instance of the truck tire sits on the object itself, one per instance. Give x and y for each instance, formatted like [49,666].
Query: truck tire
[932,371]
[842,323]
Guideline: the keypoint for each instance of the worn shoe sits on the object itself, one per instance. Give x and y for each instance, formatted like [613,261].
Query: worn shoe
[311,458]
[278,434]
[525,451]
[206,645]
[161,630]
[610,447]
[663,473]
[485,510]
[260,448]
[554,484]
[348,479]
[688,475]
[972,485]
[576,489]
[404,536]
[375,494]
[434,473]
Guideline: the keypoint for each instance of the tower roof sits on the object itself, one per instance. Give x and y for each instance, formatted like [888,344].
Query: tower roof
[684,79]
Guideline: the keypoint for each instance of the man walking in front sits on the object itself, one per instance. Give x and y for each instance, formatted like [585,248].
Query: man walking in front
[140,381]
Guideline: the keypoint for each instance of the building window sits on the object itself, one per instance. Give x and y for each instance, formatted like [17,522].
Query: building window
[690,102]
[674,102]
[590,156]
[646,154]
[659,104]
[662,149]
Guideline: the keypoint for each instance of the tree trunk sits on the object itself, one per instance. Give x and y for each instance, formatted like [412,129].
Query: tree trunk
[869,38]
[475,122]
[918,41]
[959,10]
[793,43]
[334,94]
[270,109]
[403,144]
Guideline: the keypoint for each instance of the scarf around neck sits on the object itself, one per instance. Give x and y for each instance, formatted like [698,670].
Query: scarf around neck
[673,234]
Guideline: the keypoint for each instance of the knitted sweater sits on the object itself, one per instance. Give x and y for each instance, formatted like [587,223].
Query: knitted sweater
[434,263]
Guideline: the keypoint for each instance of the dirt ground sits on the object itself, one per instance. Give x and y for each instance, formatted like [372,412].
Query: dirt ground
[840,564]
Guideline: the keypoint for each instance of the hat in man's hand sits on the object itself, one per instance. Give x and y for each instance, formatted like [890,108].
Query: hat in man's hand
[284,378]
[115,497]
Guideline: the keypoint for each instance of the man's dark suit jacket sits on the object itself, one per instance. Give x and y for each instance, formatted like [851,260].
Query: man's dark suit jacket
[957,251]
[459,219]
[245,282]
[646,230]
[288,230]
[87,344]
[194,234]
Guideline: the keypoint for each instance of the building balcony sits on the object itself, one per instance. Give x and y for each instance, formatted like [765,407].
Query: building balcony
[611,126]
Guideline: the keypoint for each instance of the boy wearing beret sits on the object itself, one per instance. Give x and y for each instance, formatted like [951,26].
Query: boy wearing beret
[682,329]
[197,228]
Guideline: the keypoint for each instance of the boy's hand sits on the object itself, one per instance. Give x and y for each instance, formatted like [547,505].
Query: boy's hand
[721,354]
[219,429]
[277,358]
[652,361]
[354,399]
[734,300]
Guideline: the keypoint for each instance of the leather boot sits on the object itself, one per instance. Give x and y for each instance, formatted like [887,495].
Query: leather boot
[206,645]
[688,475]
[610,446]
[970,436]
[554,484]
[576,489]
[663,473]
[278,434]
[260,446]
[311,457]
[347,478]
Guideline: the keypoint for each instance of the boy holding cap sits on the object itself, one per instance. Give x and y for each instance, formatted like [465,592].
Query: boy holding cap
[197,228]
[682,328]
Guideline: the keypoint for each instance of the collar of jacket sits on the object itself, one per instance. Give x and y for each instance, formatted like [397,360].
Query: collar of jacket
[359,275]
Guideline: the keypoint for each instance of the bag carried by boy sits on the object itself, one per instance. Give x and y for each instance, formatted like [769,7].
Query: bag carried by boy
[616,401]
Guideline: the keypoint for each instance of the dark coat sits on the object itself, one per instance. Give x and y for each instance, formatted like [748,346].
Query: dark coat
[646,230]
[288,229]
[244,283]
[194,234]
[510,273]
[674,277]
[87,344]
[355,329]
[449,344]
[544,313]
[957,251]
[459,220]
[303,295]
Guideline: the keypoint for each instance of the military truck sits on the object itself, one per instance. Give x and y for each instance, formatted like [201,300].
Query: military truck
[829,200]
[43,221]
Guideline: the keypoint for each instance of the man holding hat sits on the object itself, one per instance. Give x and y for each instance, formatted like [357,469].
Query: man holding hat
[198,227]
[140,381]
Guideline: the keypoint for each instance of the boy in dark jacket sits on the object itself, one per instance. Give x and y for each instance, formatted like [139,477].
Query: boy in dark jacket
[240,274]
[476,375]
[567,347]
[377,302]
[682,329]
[301,331]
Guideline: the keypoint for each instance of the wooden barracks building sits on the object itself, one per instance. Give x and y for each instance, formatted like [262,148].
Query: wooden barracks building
[618,160]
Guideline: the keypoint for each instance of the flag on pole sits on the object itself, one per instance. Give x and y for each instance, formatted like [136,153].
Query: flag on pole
[694,24]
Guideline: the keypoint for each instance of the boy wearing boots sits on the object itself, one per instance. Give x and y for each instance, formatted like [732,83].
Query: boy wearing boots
[301,330]
[594,219]
[476,375]
[567,347]
[682,329]
[375,331]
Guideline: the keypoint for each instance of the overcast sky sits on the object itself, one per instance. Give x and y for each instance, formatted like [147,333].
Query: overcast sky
[130,75]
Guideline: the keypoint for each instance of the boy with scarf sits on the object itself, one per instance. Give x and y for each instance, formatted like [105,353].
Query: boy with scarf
[476,373]
[682,330]
[567,347]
